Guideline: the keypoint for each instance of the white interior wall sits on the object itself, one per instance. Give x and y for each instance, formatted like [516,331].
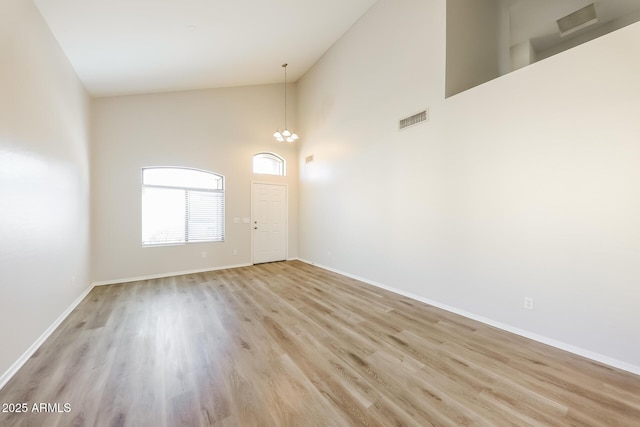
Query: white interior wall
[218,130]
[525,186]
[352,195]
[44,181]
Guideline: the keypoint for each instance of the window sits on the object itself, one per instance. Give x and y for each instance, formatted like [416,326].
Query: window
[181,205]
[268,164]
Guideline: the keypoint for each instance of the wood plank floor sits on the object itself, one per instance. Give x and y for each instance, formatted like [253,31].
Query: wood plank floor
[289,344]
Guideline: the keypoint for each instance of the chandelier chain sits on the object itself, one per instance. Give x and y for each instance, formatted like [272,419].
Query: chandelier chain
[285,94]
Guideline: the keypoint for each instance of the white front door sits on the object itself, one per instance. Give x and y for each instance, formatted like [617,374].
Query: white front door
[269,222]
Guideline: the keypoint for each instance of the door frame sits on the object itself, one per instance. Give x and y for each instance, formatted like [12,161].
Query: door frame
[286,216]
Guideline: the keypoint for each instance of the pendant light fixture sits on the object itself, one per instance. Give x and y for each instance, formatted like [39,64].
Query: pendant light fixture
[286,134]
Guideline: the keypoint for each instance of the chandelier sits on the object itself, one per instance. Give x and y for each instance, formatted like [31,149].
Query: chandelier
[286,134]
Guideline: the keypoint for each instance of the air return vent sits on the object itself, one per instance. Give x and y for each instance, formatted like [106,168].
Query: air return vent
[577,20]
[415,119]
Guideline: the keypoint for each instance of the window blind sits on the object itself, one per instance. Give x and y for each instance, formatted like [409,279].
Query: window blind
[178,208]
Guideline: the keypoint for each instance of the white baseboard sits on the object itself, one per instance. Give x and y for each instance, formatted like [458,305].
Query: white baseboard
[163,275]
[606,360]
[4,379]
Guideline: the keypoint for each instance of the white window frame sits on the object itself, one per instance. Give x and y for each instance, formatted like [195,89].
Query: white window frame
[274,157]
[203,222]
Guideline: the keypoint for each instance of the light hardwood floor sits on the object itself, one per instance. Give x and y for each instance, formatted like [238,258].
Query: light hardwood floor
[289,344]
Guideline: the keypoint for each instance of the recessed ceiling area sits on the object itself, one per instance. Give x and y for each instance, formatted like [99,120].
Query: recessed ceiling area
[140,46]
[534,21]
[489,38]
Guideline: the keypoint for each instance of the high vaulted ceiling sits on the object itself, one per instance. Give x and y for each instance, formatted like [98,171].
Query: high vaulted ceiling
[135,46]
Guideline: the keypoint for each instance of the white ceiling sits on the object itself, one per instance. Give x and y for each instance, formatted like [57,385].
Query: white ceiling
[136,46]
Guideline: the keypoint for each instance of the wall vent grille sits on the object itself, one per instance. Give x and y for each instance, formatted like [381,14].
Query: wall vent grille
[421,117]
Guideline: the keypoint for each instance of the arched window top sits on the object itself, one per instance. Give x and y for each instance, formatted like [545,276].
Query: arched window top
[182,178]
[181,206]
[269,164]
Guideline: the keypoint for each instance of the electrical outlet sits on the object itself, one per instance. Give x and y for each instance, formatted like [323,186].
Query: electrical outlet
[528,303]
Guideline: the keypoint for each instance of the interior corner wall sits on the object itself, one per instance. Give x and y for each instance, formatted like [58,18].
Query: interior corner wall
[525,186]
[44,181]
[477,43]
[217,130]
